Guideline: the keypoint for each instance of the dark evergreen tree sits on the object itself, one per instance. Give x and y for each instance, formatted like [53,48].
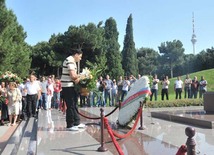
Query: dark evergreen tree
[129,55]
[114,66]
[15,53]
[50,55]
[44,58]
[147,61]
[172,54]
[89,38]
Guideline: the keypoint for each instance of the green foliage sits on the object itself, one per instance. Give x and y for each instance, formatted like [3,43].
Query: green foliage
[45,58]
[175,103]
[95,72]
[172,54]
[89,77]
[129,55]
[205,59]
[147,59]
[114,67]
[15,53]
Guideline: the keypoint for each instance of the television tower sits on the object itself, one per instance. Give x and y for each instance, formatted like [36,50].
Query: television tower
[193,40]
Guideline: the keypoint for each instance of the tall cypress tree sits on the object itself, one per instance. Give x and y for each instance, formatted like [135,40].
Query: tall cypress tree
[129,55]
[114,67]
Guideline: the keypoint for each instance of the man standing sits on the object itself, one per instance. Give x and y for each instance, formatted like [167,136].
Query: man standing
[187,88]
[120,86]
[178,87]
[194,87]
[165,86]
[43,98]
[69,94]
[154,89]
[202,87]
[108,89]
[24,98]
[33,94]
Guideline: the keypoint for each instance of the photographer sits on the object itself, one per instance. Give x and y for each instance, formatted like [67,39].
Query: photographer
[165,86]
[154,88]
[125,89]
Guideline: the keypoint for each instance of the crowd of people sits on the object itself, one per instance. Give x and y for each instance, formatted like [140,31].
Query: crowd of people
[111,91]
[23,100]
[191,87]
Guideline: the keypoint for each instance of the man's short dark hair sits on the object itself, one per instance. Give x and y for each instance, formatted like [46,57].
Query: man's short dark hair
[75,51]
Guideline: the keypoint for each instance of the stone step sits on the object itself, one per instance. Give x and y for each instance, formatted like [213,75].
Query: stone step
[28,142]
[23,140]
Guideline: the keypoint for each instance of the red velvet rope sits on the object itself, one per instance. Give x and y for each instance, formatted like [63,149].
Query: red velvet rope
[182,150]
[133,128]
[119,150]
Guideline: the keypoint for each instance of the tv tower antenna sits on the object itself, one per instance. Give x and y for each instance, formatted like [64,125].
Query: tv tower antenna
[193,40]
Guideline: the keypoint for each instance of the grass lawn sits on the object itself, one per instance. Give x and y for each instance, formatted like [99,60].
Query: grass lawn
[208,74]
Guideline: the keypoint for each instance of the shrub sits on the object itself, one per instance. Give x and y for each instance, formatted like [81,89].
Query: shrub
[175,103]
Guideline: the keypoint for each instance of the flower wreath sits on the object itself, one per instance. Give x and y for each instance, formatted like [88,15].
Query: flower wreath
[8,76]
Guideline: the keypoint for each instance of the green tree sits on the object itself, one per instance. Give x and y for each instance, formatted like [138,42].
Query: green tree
[147,61]
[48,56]
[114,66]
[205,59]
[188,65]
[89,38]
[15,53]
[57,54]
[129,55]
[41,58]
[172,54]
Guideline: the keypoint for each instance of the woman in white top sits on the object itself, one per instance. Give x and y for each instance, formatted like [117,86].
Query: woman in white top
[14,97]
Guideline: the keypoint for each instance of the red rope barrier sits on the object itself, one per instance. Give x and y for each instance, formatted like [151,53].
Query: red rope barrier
[119,150]
[133,128]
[95,117]
[182,150]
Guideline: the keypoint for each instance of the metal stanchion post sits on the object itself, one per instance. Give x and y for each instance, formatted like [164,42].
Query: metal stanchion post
[190,132]
[102,148]
[141,118]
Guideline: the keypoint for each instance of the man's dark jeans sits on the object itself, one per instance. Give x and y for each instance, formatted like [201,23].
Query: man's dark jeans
[70,97]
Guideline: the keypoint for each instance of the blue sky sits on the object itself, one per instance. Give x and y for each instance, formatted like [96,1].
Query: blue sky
[154,21]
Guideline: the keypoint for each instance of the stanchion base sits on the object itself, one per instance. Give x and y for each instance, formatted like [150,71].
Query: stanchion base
[141,128]
[102,149]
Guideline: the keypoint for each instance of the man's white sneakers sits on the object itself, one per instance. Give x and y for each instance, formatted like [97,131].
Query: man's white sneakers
[73,128]
[81,125]
[76,128]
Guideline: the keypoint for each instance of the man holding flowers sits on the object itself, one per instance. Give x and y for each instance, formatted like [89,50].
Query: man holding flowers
[68,80]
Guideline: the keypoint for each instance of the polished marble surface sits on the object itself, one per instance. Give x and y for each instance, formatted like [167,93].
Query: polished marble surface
[191,117]
[158,137]
[175,132]
[53,137]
